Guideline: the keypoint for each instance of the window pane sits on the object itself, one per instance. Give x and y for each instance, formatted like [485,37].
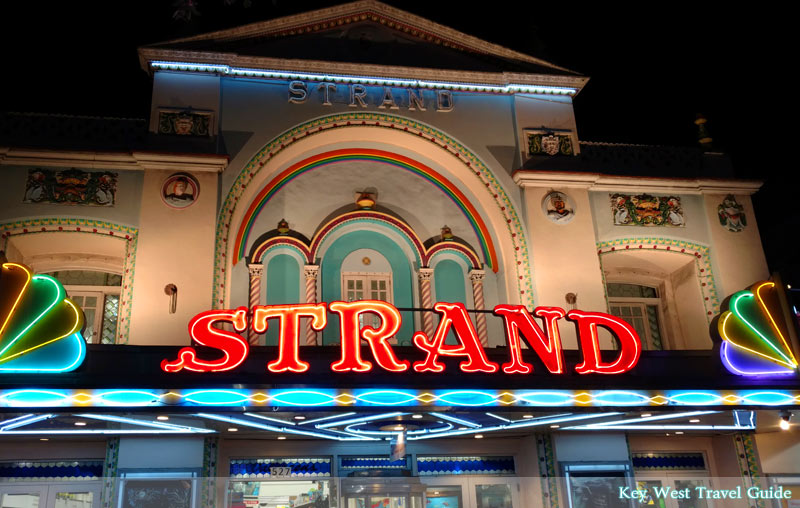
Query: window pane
[87,278]
[90,301]
[493,496]
[73,500]
[110,317]
[655,330]
[88,333]
[620,290]
[20,501]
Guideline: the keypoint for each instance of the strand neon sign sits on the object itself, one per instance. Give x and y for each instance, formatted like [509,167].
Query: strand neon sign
[520,327]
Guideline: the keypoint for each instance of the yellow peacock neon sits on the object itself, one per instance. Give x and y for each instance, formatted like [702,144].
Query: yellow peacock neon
[40,328]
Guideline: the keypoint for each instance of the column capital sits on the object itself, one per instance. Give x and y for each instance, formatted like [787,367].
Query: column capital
[311,271]
[256,269]
[477,275]
[425,273]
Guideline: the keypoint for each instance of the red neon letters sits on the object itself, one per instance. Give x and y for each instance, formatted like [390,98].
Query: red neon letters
[232,345]
[548,347]
[520,326]
[352,333]
[453,315]
[288,331]
[630,348]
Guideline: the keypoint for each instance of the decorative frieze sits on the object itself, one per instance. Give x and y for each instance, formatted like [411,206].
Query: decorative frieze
[646,210]
[71,187]
[731,214]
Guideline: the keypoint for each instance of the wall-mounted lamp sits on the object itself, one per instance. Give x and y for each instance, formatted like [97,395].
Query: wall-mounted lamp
[785,417]
[572,300]
[171,290]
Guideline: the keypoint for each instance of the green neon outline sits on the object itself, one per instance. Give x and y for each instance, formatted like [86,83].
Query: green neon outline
[749,294]
[59,297]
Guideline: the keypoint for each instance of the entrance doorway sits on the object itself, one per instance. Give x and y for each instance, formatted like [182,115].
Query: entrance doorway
[472,492]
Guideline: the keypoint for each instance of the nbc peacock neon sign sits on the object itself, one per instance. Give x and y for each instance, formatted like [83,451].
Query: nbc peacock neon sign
[520,327]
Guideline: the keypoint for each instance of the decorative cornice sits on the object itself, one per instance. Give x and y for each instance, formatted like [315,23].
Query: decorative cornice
[601,182]
[232,60]
[113,160]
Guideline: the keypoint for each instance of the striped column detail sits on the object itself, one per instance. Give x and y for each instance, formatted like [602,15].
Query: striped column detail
[311,272]
[256,276]
[426,302]
[476,276]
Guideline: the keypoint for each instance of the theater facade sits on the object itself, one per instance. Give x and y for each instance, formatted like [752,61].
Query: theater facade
[355,258]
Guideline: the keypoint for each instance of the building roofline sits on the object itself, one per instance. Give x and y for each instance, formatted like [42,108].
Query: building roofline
[313,20]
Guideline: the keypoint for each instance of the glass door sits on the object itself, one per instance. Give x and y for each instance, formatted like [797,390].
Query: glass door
[494,492]
[52,495]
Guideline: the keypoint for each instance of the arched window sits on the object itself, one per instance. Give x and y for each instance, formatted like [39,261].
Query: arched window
[283,287]
[97,293]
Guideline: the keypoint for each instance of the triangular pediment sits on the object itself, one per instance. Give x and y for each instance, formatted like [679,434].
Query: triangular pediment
[365,33]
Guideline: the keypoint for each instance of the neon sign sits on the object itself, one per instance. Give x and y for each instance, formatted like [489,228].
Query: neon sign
[754,333]
[520,325]
[40,328]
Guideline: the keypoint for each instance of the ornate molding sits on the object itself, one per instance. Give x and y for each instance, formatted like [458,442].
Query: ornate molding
[311,271]
[477,275]
[425,274]
[256,270]
[131,161]
[633,185]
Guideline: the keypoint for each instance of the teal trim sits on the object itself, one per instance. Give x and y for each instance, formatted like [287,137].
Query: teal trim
[283,286]
[461,255]
[449,286]
[387,225]
[331,268]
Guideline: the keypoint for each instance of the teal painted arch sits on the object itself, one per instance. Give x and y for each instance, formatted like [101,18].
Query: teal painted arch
[283,287]
[376,225]
[402,278]
[449,285]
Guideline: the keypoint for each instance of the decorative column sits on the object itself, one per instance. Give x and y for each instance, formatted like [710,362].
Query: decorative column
[426,302]
[312,273]
[256,275]
[476,276]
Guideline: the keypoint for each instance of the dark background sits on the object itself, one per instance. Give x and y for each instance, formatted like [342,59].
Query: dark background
[652,70]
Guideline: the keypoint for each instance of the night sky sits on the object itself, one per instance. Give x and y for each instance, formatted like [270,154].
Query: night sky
[651,72]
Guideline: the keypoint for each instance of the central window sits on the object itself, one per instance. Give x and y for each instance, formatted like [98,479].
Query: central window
[366,286]
[641,307]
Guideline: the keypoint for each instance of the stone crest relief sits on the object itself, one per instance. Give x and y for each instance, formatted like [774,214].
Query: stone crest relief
[547,142]
[184,122]
[71,187]
[646,210]
[731,214]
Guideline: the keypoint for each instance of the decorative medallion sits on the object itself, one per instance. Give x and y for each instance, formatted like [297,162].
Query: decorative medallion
[558,207]
[71,187]
[547,142]
[184,122]
[180,190]
[754,333]
[731,214]
[647,210]
[40,328]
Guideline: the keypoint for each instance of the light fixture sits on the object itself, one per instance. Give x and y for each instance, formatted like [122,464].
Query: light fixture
[233,429]
[416,417]
[44,439]
[80,424]
[435,492]
[399,427]
[785,417]
[646,415]
[527,417]
[299,417]
[694,420]
[678,432]
[281,438]
[555,426]
[163,418]
[478,436]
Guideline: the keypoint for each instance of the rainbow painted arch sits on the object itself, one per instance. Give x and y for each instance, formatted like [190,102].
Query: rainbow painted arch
[40,328]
